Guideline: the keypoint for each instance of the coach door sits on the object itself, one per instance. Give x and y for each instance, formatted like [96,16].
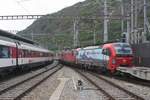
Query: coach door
[106,55]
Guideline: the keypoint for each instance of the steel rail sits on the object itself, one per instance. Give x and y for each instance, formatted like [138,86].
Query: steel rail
[19,83]
[117,86]
[34,86]
[97,86]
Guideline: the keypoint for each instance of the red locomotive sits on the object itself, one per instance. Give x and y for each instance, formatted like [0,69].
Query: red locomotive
[120,54]
[104,57]
[68,56]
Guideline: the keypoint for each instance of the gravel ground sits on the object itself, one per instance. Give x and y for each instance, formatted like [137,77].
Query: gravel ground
[46,89]
[13,81]
[69,92]
[13,93]
[89,92]
[43,91]
[142,91]
[112,90]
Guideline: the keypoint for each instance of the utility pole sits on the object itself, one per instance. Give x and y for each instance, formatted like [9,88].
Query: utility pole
[145,16]
[136,14]
[76,31]
[122,13]
[128,31]
[105,22]
[94,33]
[136,22]
[132,21]
[94,37]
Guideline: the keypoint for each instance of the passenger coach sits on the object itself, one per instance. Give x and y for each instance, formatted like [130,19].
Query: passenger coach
[19,53]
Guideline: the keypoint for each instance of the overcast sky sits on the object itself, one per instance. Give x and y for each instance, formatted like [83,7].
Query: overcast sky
[23,7]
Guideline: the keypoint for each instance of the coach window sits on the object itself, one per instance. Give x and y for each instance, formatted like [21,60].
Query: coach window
[4,52]
[23,52]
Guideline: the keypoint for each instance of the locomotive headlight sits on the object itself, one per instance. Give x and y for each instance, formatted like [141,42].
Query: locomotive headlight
[113,61]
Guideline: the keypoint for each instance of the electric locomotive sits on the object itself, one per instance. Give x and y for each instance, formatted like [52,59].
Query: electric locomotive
[109,57]
[105,57]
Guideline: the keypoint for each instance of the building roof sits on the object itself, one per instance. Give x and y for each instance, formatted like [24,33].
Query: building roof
[15,37]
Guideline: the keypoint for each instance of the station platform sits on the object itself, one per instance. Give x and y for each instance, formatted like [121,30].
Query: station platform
[64,86]
[139,72]
[69,88]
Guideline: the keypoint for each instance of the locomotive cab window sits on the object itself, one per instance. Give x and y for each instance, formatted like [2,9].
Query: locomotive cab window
[123,50]
[4,52]
[106,52]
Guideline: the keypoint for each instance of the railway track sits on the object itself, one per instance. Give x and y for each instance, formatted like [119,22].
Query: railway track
[21,88]
[111,90]
[13,75]
[132,80]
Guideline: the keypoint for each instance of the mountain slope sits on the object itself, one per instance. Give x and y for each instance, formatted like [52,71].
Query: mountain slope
[57,29]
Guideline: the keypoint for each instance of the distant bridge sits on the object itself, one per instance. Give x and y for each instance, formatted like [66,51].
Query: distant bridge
[31,17]
[13,31]
[20,17]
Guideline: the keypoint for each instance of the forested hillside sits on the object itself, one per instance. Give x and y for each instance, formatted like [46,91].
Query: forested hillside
[58,28]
